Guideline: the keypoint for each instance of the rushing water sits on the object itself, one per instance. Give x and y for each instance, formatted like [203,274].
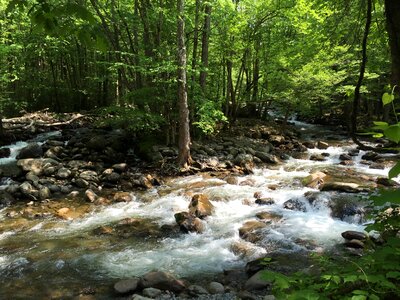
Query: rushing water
[43,258]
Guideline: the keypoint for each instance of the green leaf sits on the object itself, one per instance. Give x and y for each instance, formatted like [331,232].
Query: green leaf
[387,98]
[393,274]
[360,292]
[393,133]
[359,297]
[380,125]
[391,196]
[350,278]
[395,170]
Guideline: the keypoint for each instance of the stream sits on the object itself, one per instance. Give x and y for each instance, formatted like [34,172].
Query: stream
[43,258]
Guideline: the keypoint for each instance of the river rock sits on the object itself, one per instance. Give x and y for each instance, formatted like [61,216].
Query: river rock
[317,157]
[44,193]
[354,235]
[28,190]
[232,180]
[32,177]
[163,281]
[215,288]
[54,152]
[265,201]
[63,213]
[370,156]
[89,175]
[11,169]
[6,199]
[267,157]
[122,167]
[257,282]
[114,177]
[196,290]
[347,208]
[244,161]
[188,222]
[37,166]
[314,179]
[82,183]
[276,140]
[139,297]
[151,292]
[200,206]
[386,182]
[91,196]
[357,244]
[295,204]
[249,230]
[345,157]
[309,144]
[33,150]
[5,152]
[122,197]
[63,173]
[322,145]
[126,286]
[243,249]
[347,187]
[268,216]
[97,143]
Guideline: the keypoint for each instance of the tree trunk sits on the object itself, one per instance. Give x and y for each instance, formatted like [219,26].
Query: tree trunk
[194,58]
[356,100]
[204,46]
[392,10]
[184,158]
[230,93]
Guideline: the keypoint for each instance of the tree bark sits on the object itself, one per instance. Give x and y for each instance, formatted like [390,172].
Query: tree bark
[356,100]
[392,11]
[204,46]
[184,159]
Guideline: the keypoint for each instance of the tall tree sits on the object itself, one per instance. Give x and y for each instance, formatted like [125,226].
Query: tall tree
[204,45]
[392,10]
[184,158]
[356,100]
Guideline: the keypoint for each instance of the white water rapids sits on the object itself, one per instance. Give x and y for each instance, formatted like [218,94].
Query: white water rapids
[69,248]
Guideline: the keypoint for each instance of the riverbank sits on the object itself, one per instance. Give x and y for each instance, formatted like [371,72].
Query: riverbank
[95,211]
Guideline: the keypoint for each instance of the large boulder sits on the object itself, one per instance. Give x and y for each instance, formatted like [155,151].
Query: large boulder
[163,281]
[189,223]
[33,150]
[200,206]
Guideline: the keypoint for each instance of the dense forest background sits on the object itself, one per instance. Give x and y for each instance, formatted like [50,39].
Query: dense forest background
[243,57]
